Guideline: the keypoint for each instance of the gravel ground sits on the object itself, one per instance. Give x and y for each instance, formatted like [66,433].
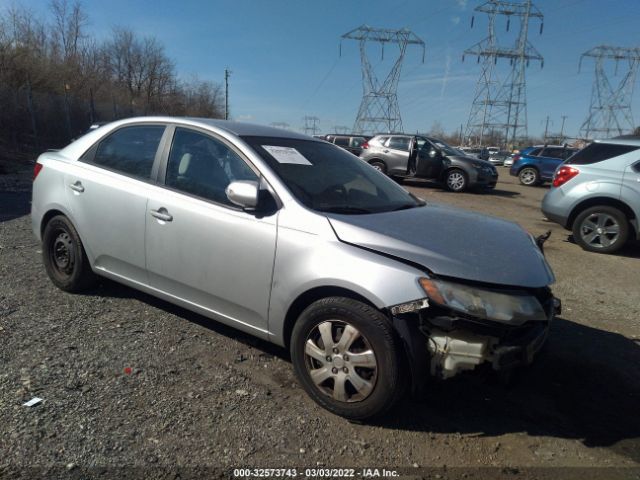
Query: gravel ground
[134,383]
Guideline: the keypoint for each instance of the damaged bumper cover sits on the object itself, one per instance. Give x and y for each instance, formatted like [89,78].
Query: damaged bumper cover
[456,342]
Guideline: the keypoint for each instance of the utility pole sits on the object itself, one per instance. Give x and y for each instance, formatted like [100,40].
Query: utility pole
[379,110]
[546,129]
[503,105]
[610,108]
[227,73]
[564,117]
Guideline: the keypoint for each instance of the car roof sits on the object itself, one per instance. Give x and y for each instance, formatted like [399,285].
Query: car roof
[622,140]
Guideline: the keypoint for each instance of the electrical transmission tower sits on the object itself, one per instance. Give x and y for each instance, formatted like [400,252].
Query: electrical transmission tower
[610,109]
[379,110]
[310,126]
[341,129]
[502,106]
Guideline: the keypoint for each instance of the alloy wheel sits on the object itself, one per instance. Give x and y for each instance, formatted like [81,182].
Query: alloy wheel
[528,176]
[455,181]
[600,230]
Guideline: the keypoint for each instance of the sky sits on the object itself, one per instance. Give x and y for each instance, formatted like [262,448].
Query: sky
[286,61]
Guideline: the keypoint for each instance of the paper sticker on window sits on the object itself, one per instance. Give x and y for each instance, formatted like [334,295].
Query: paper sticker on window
[286,155]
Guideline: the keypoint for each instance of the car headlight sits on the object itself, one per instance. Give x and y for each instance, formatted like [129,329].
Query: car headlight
[483,303]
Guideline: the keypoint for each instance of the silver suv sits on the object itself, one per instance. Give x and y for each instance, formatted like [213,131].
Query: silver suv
[300,243]
[596,194]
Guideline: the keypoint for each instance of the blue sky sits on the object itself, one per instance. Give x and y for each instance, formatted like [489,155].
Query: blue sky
[285,59]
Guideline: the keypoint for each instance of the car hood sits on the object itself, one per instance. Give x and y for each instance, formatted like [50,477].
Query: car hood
[451,242]
[470,160]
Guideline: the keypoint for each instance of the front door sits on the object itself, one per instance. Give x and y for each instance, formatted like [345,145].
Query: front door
[397,154]
[428,159]
[203,250]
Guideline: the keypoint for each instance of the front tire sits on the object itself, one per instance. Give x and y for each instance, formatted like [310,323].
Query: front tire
[64,257]
[601,229]
[347,358]
[456,180]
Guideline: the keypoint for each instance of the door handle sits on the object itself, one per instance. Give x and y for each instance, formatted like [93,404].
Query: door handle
[162,214]
[77,187]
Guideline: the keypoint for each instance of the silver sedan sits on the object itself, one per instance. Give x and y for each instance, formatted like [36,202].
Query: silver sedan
[300,243]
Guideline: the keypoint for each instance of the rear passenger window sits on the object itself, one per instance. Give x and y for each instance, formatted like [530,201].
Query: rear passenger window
[534,153]
[356,141]
[203,166]
[597,152]
[342,141]
[553,153]
[399,143]
[130,150]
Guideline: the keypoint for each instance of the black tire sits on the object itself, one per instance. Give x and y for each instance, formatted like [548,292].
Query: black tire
[384,383]
[612,237]
[64,257]
[456,180]
[379,165]
[529,176]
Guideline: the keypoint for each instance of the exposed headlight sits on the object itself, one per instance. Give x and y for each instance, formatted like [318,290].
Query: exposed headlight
[482,303]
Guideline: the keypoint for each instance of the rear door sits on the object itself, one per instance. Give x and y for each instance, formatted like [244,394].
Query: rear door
[397,154]
[200,248]
[107,190]
[550,159]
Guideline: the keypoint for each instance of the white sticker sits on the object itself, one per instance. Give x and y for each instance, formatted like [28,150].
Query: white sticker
[32,402]
[286,155]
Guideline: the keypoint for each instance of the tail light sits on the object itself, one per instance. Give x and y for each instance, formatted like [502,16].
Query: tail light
[36,170]
[365,145]
[563,175]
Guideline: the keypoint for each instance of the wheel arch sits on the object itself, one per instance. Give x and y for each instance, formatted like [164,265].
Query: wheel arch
[55,211]
[605,201]
[308,297]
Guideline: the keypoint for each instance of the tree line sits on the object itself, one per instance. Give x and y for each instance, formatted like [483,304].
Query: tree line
[56,78]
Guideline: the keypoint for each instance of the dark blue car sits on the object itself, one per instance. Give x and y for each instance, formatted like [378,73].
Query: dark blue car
[536,165]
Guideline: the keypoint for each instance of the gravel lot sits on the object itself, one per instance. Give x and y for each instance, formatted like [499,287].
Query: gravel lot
[200,395]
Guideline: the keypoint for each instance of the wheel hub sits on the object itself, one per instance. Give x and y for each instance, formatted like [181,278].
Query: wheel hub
[340,361]
[62,251]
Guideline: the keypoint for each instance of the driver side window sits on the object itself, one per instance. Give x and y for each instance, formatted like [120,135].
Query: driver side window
[203,166]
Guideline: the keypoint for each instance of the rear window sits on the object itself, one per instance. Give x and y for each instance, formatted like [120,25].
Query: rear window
[553,152]
[534,153]
[130,150]
[597,152]
[399,143]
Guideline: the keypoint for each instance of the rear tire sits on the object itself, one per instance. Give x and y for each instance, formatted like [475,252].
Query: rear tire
[64,257]
[529,176]
[347,358]
[601,229]
[379,165]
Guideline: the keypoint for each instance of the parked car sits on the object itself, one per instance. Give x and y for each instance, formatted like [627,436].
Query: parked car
[536,165]
[415,156]
[499,157]
[596,195]
[351,143]
[508,161]
[367,285]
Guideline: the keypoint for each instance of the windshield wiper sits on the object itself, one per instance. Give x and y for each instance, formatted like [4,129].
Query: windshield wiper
[405,206]
[345,209]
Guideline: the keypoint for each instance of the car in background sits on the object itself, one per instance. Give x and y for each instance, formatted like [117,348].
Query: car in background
[596,194]
[297,242]
[509,160]
[536,165]
[499,157]
[351,143]
[415,156]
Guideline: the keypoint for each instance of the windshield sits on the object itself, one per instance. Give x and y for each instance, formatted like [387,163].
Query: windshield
[327,178]
[446,149]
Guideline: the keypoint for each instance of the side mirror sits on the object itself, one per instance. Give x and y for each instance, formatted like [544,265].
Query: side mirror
[433,153]
[243,193]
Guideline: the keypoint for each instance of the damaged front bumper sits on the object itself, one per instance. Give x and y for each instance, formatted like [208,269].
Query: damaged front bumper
[442,343]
